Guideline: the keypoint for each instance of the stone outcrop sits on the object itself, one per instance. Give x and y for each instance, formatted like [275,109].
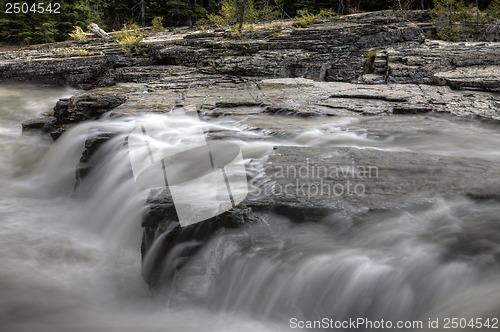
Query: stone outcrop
[162,230]
[92,145]
[325,52]
[474,78]
[218,95]
[310,182]
[84,64]
[84,106]
[328,51]
[474,65]
[334,50]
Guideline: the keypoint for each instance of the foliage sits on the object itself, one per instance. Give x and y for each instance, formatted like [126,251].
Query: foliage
[62,52]
[83,53]
[370,56]
[369,60]
[454,20]
[401,4]
[110,15]
[493,9]
[129,37]
[33,27]
[234,12]
[275,26]
[235,31]
[327,13]
[239,12]
[157,23]
[66,52]
[304,18]
[77,34]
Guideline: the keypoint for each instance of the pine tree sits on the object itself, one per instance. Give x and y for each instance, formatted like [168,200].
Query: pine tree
[494,9]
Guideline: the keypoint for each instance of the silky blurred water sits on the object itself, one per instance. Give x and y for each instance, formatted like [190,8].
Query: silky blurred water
[72,262]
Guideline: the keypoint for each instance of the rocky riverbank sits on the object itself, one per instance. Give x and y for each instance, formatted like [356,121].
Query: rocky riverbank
[277,81]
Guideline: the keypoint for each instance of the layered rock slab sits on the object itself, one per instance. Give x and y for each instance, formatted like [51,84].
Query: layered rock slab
[310,181]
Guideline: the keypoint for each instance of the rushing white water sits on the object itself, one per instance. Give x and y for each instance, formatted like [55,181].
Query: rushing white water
[73,263]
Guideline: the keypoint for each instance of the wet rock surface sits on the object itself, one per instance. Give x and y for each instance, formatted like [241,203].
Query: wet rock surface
[169,246]
[309,180]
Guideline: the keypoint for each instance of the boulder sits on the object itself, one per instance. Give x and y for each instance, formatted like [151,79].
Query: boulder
[46,124]
[84,106]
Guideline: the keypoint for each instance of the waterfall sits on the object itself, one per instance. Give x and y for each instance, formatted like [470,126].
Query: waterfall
[71,257]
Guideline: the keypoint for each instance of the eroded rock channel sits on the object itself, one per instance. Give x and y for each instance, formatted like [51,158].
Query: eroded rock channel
[325,132]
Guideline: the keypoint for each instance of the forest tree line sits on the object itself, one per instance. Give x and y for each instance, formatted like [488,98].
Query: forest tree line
[30,25]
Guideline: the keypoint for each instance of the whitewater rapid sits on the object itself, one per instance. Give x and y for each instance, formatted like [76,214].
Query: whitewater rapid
[72,262]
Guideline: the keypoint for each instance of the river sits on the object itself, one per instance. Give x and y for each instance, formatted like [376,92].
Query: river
[72,262]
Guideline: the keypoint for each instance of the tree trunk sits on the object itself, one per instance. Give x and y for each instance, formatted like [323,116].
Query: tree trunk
[241,13]
[143,12]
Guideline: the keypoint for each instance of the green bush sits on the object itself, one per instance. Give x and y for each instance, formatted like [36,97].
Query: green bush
[233,10]
[157,23]
[129,37]
[493,9]
[83,53]
[77,34]
[456,21]
[304,18]
[327,13]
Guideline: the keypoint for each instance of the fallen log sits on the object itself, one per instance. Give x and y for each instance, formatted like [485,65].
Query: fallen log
[98,31]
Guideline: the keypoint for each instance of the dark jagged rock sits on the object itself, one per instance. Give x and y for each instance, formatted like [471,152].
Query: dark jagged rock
[92,145]
[325,51]
[46,124]
[84,106]
[162,229]
[486,78]
[328,51]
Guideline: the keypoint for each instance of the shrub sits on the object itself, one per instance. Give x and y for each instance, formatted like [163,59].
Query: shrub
[128,37]
[157,23]
[304,18]
[327,13]
[62,52]
[83,53]
[456,21]
[216,20]
[276,26]
[77,34]
[232,11]
[369,59]
[493,9]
